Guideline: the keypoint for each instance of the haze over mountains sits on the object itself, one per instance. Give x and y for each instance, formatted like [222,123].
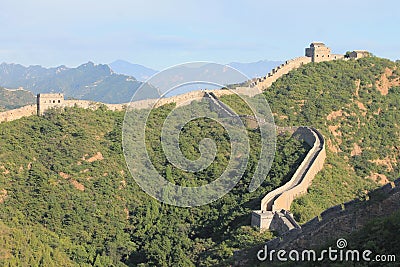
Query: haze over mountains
[87,81]
[113,83]
[142,73]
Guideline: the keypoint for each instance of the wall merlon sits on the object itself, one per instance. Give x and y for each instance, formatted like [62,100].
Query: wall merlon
[381,191]
[310,224]
[335,221]
[351,204]
[331,212]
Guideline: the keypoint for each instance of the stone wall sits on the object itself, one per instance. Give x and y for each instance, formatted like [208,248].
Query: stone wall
[266,81]
[180,100]
[283,222]
[318,52]
[92,105]
[282,197]
[340,220]
[279,200]
[306,172]
[184,99]
[46,101]
[18,113]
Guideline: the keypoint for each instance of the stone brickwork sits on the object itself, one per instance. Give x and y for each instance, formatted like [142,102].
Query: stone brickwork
[46,101]
[359,54]
[339,221]
[266,81]
[15,114]
[318,52]
[282,197]
[92,105]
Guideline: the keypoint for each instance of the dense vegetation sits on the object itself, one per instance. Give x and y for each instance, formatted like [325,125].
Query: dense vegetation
[68,199]
[355,105]
[64,203]
[379,235]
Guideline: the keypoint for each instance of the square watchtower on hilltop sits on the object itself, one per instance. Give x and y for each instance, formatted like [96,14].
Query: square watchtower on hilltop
[47,101]
[318,52]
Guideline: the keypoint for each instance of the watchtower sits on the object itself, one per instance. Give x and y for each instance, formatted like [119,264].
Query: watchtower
[318,52]
[47,101]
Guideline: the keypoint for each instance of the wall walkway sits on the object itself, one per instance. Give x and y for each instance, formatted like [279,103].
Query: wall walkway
[340,220]
[282,197]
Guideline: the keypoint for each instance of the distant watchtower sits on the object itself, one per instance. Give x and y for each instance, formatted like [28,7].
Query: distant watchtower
[318,52]
[47,101]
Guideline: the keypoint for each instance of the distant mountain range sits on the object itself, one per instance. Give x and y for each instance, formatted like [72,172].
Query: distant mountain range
[255,69]
[113,83]
[88,81]
[142,73]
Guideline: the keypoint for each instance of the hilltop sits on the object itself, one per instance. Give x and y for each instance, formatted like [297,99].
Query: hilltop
[354,104]
[138,71]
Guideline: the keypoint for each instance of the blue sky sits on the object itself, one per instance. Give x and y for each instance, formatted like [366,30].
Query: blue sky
[159,34]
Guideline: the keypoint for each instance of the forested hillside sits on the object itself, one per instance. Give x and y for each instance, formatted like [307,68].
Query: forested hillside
[355,104]
[68,199]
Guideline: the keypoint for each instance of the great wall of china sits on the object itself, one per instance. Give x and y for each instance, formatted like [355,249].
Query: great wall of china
[275,206]
[274,213]
[340,220]
[266,81]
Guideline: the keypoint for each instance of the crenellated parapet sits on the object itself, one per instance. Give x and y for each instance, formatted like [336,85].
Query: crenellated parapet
[340,220]
[281,198]
[266,81]
[317,52]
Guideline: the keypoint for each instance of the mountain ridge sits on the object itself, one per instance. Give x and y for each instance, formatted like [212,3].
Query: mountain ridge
[88,81]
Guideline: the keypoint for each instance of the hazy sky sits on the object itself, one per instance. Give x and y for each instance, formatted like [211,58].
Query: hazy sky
[159,34]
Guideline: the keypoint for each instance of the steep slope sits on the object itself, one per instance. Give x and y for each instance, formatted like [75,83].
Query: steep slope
[355,105]
[67,196]
[64,172]
[368,224]
[88,81]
